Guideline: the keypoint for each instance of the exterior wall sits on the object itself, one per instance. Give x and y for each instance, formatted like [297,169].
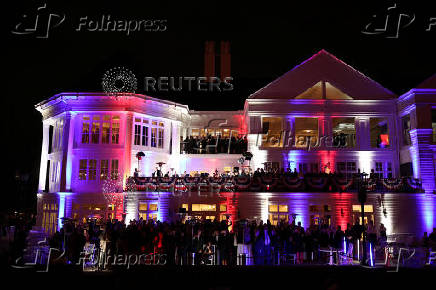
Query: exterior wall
[363,154]
[417,104]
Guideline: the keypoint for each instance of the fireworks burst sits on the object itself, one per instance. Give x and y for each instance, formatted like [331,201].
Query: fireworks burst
[119,80]
[113,191]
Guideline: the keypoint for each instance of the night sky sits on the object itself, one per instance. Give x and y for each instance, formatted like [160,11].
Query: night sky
[267,40]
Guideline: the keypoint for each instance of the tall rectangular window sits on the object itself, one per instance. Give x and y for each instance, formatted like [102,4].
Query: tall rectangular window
[433,124]
[153,137]
[379,132]
[115,129]
[95,135]
[137,137]
[114,169]
[105,132]
[83,168]
[405,121]
[85,130]
[92,169]
[160,142]
[104,169]
[145,132]
[379,169]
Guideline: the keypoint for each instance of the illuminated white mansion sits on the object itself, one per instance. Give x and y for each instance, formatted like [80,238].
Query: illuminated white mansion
[91,140]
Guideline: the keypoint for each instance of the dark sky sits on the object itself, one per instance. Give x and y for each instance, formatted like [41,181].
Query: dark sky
[267,39]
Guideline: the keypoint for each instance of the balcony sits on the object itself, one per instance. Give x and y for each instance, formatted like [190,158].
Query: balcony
[281,182]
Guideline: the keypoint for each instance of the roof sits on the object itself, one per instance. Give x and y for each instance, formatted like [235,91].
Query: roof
[429,83]
[323,66]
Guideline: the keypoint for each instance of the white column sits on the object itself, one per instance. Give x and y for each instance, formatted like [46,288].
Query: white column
[44,155]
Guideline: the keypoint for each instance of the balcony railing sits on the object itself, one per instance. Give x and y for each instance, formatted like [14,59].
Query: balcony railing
[287,182]
[213,145]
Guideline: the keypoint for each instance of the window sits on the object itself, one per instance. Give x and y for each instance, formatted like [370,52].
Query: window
[104,169]
[379,132]
[306,132]
[160,143]
[141,132]
[153,137]
[405,121]
[283,208]
[273,208]
[115,129]
[389,170]
[433,124]
[83,167]
[203,207]
[143,206]
[105,133]
[344,132]
[152,207]
[366,208]
[95,136]
[114,169]
[137,140]
[348,168]
[379,169]
[144,139]
[302,167]
[272,132]
[92,169]
[85,130]
[223,207]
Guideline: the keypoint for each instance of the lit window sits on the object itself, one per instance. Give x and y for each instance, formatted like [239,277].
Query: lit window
[153,137]
[92,169]
[379,132]
[85,131]
[114,169]
[272,132]
[143,206]
[223,207]
[203,207]
[283,208]
[115,130]
[161,137]
[95,135]
[273,208]
[104,169]
[83,167]
[105,133]
[344,132]
[306,132]
[366,208]
[153,206]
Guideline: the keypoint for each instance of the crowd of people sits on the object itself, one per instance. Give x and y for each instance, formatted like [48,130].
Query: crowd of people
[200,242]
[214,144]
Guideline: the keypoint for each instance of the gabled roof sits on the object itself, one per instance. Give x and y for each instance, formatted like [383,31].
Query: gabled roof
[429,83]
[323,66]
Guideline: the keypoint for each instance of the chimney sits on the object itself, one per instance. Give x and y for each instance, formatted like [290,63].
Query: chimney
[209,59]
[225,59]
